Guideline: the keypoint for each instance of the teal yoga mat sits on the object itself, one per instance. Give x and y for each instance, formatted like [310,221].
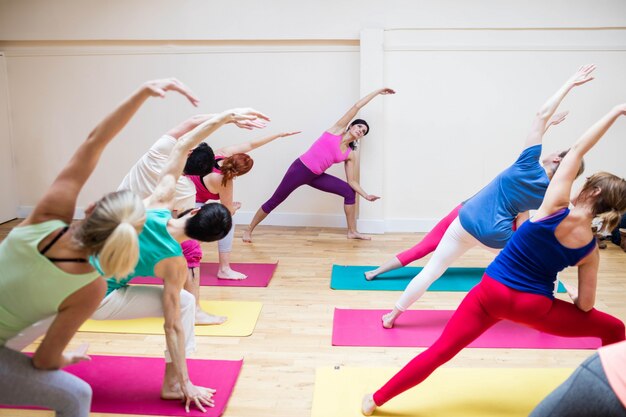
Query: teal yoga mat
[349,277]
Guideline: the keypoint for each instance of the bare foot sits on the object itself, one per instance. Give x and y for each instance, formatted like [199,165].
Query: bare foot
[357,235]
[230,274]
[370,275]
[247,236]
[388,320]
[368,405]
[205,319]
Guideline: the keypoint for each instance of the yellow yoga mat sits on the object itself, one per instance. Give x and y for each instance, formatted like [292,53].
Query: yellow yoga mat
[448,392]
[242,317]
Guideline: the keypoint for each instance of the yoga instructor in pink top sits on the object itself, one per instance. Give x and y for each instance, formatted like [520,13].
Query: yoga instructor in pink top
[334,146]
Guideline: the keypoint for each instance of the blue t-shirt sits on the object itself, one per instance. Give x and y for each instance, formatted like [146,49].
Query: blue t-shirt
[155,244]
[490,213]
[534,256]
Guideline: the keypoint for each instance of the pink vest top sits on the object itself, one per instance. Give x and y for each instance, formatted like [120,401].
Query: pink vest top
[323,153]
[202,193]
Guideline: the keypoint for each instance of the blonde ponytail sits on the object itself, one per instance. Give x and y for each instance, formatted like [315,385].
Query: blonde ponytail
[111,231]
[120,253]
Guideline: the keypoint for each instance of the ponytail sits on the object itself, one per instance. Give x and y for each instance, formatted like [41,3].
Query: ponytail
[120,252]
[234,166]
[111,231]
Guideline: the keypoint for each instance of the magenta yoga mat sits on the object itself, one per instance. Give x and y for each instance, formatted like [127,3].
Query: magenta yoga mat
[132,385]
[259,275]
[420,328]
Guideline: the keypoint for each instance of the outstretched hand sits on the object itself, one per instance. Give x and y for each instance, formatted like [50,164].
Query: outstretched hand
[247,118]
[79,355]
[583,75]
[199,396]
[557,118]
[385,91]
[157,88]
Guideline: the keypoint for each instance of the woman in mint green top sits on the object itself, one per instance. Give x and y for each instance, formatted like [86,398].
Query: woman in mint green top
[155,244]
[44,270]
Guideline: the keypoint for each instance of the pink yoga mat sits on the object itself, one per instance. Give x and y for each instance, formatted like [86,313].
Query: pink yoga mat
[420,328]
[131,385]
[259,275]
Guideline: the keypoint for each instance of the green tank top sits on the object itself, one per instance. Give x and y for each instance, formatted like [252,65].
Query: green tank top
[31,286]
[155,244]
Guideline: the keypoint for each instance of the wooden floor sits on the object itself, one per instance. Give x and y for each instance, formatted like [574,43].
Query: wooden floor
[293,334]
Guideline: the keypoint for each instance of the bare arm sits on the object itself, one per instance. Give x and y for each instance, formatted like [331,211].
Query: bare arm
[73,312]
[188,125]
[60,199]
[226,197]
[540,124]
[253,144]
[164,191]
[353,183]
[194,121]
[585,297]
[174,274]
[342,123]
[558,193]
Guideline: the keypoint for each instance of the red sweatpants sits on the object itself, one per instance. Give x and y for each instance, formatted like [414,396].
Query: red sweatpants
[430,242]
[485,305]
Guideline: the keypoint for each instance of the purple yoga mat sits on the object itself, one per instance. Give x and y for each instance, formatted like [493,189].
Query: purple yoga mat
[259,275]
[420,328]
[132,385]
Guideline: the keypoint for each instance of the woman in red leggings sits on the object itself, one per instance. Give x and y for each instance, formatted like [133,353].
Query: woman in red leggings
[518,285]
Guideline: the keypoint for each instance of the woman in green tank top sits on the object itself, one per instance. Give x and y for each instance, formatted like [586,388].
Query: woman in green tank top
[45,270]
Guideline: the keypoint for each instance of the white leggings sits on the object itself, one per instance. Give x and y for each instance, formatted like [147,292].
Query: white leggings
[132,302]
[454,243]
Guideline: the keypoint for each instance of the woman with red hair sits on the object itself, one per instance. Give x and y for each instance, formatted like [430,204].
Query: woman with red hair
[230,163]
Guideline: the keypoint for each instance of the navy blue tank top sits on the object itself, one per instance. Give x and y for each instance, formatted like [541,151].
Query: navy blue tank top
[534,256]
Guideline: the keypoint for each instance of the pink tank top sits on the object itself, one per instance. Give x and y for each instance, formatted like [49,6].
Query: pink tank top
[613,359]
[323,153]
[202,193]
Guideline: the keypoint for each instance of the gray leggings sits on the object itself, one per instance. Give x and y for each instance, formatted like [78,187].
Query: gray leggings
[586,393]
[22,384]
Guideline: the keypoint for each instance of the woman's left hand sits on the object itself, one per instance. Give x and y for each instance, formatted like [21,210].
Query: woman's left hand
[371,197]
[385,91]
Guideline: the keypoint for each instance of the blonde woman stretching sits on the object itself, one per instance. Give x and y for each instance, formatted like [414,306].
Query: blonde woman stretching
[45,271]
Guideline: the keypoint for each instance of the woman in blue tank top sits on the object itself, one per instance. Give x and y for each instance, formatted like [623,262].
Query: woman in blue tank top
[487,219]
[518,284]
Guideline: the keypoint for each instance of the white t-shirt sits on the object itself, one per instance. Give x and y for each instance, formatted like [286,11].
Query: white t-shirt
[144,175]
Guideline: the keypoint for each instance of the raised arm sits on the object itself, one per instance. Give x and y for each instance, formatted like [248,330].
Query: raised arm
[353,183]
[164,191]
[558,193]
[253,144]
[340,126]
[60,200]
[194,121]
[540,123]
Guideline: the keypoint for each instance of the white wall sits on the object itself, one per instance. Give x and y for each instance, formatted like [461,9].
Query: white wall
[466,100]
[465,97]
[285,19]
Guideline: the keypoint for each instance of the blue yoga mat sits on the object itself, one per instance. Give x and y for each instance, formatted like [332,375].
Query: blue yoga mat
[349,277]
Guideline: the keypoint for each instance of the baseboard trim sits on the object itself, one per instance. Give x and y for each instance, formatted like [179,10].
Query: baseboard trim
[375,226]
